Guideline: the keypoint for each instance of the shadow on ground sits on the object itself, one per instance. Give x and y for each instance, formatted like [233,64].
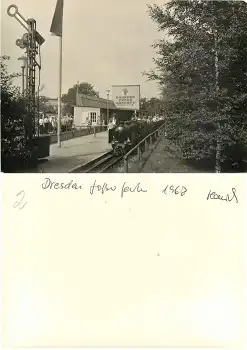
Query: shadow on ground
[235,163]
[167,158]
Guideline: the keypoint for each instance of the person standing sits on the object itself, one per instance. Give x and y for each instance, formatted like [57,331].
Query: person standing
[71,119]
[46,124]
[41,125]
[110,130]
[89,125]
[50,124]
[53,123]
[114,121]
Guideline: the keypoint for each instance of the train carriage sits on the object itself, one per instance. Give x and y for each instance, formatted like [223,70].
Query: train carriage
[128,134]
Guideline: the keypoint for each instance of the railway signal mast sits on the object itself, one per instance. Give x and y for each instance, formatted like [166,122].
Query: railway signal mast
[31,41]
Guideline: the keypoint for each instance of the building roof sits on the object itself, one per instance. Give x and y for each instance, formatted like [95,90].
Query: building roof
[94,102]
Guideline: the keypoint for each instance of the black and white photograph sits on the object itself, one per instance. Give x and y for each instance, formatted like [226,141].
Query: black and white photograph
[123,86]
[149,99]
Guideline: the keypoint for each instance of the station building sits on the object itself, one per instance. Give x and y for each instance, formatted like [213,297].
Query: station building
[95,109]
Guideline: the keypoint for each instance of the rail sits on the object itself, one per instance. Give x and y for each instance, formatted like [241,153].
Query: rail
[147,141]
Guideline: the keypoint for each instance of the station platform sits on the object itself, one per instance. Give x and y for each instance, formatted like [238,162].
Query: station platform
[75,152]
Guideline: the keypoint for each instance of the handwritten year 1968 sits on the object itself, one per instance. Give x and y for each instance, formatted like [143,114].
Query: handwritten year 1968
[177,190]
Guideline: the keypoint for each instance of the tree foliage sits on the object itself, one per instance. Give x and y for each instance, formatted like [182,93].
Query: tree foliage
[14,149]
[202,68]
[83,88]
[152,105]
[69,99]
[46,107]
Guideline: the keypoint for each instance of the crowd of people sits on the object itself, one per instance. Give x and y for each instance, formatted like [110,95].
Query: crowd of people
[149,119]
[48,124]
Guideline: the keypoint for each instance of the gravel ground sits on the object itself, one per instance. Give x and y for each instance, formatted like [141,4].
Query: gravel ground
[166,158]
[120,167]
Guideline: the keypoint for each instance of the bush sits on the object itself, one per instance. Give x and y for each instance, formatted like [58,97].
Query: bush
[16,152]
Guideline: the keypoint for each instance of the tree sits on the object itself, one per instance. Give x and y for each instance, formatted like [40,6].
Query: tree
[152,105]
[143,103]
[45,106]
[14,149]
[202,69]
[83,88]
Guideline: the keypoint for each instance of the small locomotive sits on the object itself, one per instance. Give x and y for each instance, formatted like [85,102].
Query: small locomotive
[128,134]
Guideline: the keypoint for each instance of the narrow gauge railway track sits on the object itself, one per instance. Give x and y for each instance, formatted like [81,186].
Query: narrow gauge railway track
[101,164]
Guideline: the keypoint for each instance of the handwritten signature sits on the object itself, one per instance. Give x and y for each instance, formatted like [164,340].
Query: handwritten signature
[227,198]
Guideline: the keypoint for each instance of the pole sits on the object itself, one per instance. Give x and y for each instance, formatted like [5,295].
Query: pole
[23,81]
[107,118]
[126,165]
[216,62]
[77,92]
[59,92]
[27,77]
[23,90]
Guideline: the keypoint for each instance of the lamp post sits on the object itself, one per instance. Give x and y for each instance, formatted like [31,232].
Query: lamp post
[77,94]
[107,118]
[23,62]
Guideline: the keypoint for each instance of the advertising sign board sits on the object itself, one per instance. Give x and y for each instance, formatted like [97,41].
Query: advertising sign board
[126,96]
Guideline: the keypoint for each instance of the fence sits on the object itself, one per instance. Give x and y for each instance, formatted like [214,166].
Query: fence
[143,146]
[78,132]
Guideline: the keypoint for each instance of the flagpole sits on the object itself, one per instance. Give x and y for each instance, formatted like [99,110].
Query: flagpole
[59,91]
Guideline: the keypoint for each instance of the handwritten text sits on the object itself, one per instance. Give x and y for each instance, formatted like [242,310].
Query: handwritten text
[177,190]
[134,189]
[227,198]
[101,188]
[49,185]
[20,204]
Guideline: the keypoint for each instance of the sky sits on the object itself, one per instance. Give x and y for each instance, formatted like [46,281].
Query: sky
[105,42]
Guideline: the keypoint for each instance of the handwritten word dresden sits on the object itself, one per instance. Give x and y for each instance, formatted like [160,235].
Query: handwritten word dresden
[49,185]
[19,204]
[177,190]
[227,198]
[134,189]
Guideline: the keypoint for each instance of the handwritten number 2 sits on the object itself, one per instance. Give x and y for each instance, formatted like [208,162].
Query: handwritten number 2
[20,203]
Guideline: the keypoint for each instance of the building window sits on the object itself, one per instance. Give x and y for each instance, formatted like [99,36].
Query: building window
[93,117]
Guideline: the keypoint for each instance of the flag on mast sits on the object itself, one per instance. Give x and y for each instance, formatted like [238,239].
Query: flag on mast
[57,21]
[57,30]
